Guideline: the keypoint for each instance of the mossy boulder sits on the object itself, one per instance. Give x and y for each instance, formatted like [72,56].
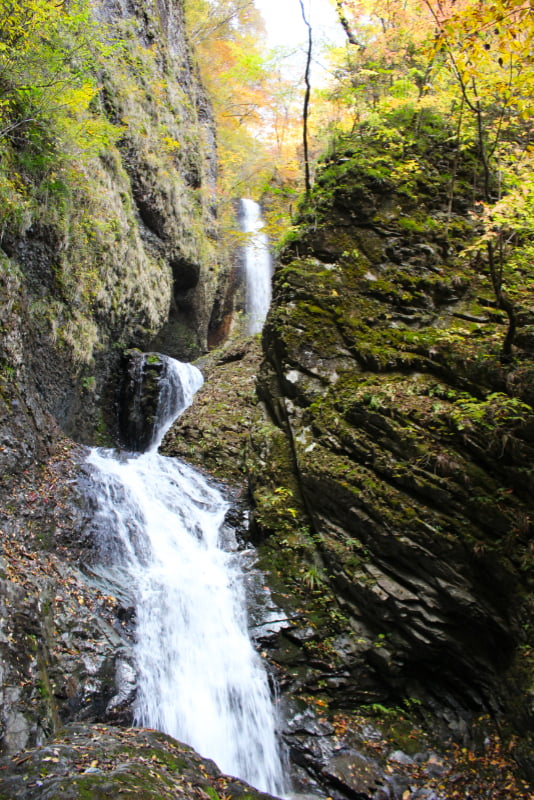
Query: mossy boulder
[95,761]
[215,432]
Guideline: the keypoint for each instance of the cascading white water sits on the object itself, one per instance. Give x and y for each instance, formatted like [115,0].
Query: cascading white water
[258,266]
[199,678]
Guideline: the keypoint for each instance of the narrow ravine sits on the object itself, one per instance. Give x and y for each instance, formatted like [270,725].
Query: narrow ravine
[198,677]
[258,266]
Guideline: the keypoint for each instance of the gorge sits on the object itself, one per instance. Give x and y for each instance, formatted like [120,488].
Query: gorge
[374,443]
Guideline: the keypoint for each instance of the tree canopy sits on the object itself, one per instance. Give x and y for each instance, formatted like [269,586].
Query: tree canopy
[468,60]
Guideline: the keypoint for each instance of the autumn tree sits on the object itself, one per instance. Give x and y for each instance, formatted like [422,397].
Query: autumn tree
[488,51]
[487,48]
[470,58]
[473,61]
[256,105]
[48,57]
[226,37]
[387,58]
[306,107]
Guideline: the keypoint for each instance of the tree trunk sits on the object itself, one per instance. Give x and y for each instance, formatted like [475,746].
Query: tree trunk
[503,302]
[345,23]
[305,111]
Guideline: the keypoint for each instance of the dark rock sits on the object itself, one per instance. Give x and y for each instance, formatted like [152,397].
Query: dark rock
[139,399]
[400,757]
[65,655]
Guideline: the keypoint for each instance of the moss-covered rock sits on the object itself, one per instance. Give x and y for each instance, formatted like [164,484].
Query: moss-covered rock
[94,761]
[410,442]
[215,432]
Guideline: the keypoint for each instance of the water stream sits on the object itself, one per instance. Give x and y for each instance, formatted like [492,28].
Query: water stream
[199,678]
[258,266]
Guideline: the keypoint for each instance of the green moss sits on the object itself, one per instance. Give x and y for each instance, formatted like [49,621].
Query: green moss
[381,438]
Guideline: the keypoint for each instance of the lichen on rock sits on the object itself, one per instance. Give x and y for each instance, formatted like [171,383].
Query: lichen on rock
[95,761]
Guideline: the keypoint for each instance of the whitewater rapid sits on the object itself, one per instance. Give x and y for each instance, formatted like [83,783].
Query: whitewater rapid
[199,678]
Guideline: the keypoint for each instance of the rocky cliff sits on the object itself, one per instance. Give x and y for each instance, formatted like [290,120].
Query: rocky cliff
[389,459]
[409,437]
[114,246]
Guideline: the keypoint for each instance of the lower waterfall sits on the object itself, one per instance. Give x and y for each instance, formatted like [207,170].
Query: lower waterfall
[160,523]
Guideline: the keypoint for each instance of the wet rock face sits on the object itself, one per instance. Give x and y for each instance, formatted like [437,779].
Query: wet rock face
[139,399]
[26,429]
[22,681]
[407,442]
[65,635]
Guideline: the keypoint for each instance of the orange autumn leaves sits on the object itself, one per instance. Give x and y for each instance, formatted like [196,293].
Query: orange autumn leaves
[470,60]
[480,49]
[256,109]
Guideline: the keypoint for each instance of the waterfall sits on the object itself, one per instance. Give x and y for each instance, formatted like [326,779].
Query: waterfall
[199,679]
[258,267]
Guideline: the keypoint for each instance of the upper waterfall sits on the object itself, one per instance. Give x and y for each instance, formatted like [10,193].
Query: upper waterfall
[258,266]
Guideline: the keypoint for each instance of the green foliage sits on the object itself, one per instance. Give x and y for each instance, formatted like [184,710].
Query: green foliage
[380,710]
[498,410]
[274,511]
[313,577]
[48,55]
[49,117]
